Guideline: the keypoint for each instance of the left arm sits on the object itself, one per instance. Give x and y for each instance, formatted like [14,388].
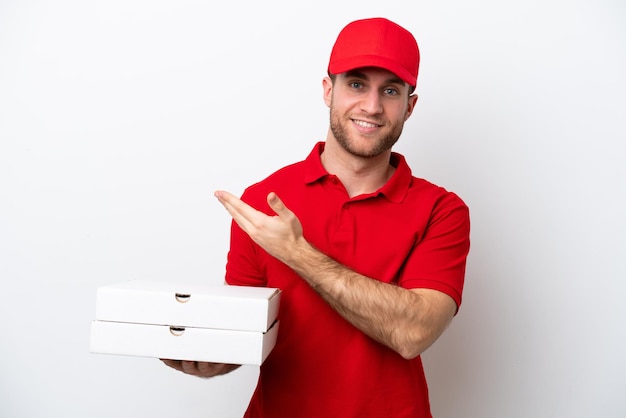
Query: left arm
[407,321]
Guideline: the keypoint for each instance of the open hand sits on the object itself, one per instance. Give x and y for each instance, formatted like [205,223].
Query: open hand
[278,235]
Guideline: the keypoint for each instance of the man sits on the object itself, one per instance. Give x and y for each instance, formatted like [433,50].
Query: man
[370,259]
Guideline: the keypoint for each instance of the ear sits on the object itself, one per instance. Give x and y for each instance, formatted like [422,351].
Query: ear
[327,86]
[410,106]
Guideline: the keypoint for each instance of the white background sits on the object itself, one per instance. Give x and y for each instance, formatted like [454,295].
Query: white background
[118,119]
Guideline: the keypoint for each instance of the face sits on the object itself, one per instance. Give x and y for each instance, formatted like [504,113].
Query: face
[368,108]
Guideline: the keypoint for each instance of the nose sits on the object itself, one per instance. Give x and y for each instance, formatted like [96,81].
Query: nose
[371,103]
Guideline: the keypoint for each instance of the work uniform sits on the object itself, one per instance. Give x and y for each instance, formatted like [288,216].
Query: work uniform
[409,233]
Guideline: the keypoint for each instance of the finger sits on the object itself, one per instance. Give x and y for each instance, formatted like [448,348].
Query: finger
[211,369]
[206,369]
[275,202]
[278,205]
[189,367]
[174,364]
[227,198]
[245,215]
[230,202]
[234,204]
[222,195]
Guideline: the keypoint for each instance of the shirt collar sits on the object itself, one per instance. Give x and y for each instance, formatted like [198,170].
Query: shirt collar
[314,170]
[395,189]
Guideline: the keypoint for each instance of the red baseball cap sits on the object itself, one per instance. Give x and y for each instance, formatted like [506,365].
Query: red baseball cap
[376,42]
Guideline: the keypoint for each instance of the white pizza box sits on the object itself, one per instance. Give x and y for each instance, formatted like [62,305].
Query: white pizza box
[242,308]
[182,343]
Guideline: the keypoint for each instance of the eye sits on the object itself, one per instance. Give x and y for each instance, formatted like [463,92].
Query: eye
[390,91]
[356,84]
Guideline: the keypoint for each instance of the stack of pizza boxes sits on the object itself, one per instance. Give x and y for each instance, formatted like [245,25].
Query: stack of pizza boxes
[212,323]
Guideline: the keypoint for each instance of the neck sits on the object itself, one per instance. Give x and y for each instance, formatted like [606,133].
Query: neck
[359,175]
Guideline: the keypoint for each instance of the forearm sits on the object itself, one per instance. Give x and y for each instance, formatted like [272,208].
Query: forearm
[406,321]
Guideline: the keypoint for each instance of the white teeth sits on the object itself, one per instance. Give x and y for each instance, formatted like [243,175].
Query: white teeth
[365,124]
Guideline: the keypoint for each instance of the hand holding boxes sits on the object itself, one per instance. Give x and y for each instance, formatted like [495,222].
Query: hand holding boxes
[212,323]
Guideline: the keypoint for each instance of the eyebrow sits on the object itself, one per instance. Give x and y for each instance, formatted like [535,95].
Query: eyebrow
[358,74]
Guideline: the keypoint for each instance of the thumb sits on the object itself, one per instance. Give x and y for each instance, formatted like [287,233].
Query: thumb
[276,204]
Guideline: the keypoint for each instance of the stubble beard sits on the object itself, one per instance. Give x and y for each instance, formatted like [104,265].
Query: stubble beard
[379,145]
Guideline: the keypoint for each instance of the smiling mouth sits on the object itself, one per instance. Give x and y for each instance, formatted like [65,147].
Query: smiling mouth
[364,124]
